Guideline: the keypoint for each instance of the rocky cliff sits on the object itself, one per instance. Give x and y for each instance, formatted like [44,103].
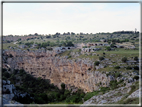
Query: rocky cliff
[78,73]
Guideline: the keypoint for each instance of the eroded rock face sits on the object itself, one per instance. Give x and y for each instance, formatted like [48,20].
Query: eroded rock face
[58,69]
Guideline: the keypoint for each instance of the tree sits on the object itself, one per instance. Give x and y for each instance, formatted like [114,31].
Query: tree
[72,33]
[68,33]
[136,68]
[7,91]
[35,34]
[108,48]
[112,45]
[69,43]
[117,67]
[10,55]
[113,84]
[109,42]
[128,67]
[96,63]
[136,77]
[19,39]
[54,36]
[136,58]
[63,86]
[6,74]
[124,59]
[84,47]
[101,58]
[57,34]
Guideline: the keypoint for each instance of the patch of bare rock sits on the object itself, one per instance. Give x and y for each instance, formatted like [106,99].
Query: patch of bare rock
[112,96]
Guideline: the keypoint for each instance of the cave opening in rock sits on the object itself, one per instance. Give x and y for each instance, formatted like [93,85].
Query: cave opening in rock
[82,74]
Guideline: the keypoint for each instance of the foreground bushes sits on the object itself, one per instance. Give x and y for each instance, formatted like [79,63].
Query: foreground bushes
[40,91]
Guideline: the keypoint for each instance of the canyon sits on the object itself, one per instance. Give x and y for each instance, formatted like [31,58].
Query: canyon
[79,73]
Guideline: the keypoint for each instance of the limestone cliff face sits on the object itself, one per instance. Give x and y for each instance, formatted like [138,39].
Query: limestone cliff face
[58,69]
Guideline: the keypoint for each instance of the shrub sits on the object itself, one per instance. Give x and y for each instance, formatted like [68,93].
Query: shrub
[117,74]
[22,71]
[133,88]
[6,74]
[136,77]
[12,77]
[136,68]
[72,99]
[69,56]
[120,81]
[112,45]
[79,50]
[3,70]
[131,101]
[96,63]
[84,47]
[15,71]
[4,78]
[101,58]
[117,67]
[39,100]
[89,68]
[7,91]
[67,93]
[90,94]
[103,53]
[10,55]
[69,43]
[108,48]
[63,86]
[124,59]
[128,68]
[104,89]
[136,58]
[113,84]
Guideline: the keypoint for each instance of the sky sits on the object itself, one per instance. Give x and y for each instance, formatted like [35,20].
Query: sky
[49,18]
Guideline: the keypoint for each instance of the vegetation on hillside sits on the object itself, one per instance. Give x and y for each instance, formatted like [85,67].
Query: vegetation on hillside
[39,90]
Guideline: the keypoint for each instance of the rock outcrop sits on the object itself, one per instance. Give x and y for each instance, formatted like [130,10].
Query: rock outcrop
[46,64]
[112,96]
[7,97]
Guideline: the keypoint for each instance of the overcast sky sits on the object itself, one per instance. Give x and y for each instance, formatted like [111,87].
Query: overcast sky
[49,18]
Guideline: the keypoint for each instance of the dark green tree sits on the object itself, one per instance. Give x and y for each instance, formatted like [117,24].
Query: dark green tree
[101,58]
[124,59]
[96,63]
[136,58]
[108,48]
